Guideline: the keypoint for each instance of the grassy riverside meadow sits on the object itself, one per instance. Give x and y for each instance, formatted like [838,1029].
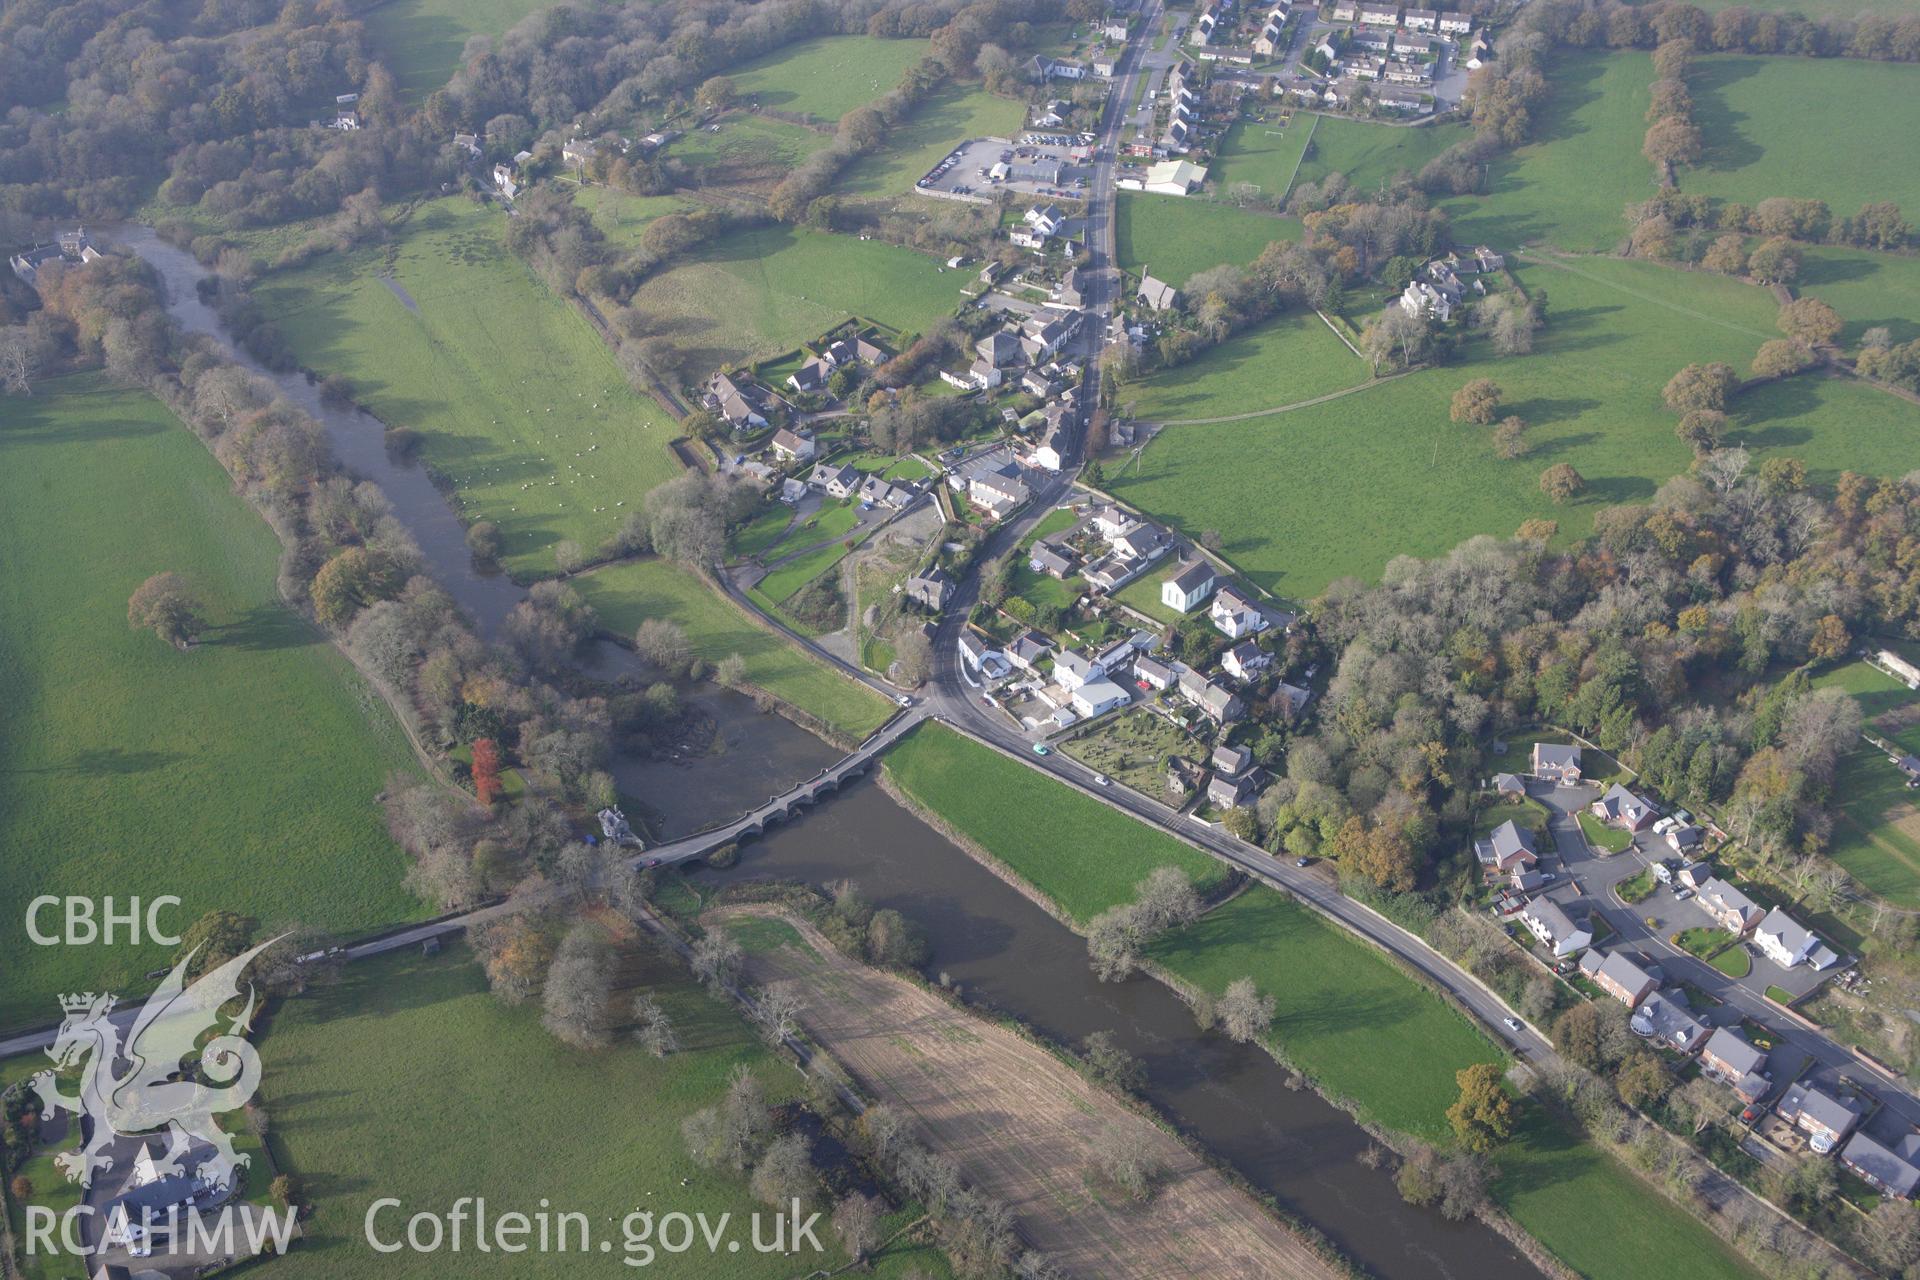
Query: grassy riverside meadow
[627,594]
[1087,856]
[240,774]
[1172,238]
[1338,489]
[763,291]
[825,77]
[421,40]
[1761,140]
[1344,1014]
[449,1058]
[518,403]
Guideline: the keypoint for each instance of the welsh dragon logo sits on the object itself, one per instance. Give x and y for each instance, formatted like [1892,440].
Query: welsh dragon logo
[157,1091]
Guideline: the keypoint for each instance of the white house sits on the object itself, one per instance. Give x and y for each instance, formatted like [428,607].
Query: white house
[1234,615]
[1098,696]
[1787,943]
[1071,670]
[1188,586]
[1246,660]
[1555,927]
[796,446]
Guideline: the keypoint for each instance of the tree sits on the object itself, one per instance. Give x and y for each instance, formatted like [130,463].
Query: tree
[352,580]
[166,604]
[19,359]
[22,1188]
[1780,358]
[568,557]
[778,1009]
[486,771]
[716,93]
[214,939]
[1702,429]
[1810,321]
[1476,402]
[574,1001]
[652,1027]
[1243,1012]
[663,642]
[515,952]
[1777,261]
[1641,1081]
[1561,482]
[1727,255]
[1112,1064]
[1455,1184]
[1126,1164]
[1700,386]
[285,1190]
[912,656]
[785,1173]
[895,942]
[716,958]
[1484,1115]
[856,1220]
[1394,338]
[1672,141]
[1510,437]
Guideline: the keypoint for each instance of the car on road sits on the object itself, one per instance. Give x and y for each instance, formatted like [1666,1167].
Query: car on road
[986,702]
[1100,780]
[904,700]
[1513,1024]
[1301,862]
[1042,749]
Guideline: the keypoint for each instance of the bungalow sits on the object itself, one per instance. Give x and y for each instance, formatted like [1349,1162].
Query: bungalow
[1157,295]
[1555,928]
[1402,99]
[1787,943]
[1617,974]
[794,446]
[1893,1169]
[1028,650]
[1668,1022]
[933,588]
[1621,808]
[1455,24]
[1246,660]
[1508,785]
[1508,847]
[1824,1117]
[1234,614]
[1188,586]
[1051,558]
[1729,1059]
[578,153]
[1216,701]
[1729,908]
[1097,697]
[884,493]
[1153,673]
[836,482]
[739,403]
[811,376]
[1556,763]
[1400,74]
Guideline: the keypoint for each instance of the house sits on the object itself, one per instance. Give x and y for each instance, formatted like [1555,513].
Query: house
[1729,908]
[1157,295]
[467,142]
[578,152]
[1729,1059]
[346,119]
[884,493]
[812,376]
[1269,42]
[1556,763]
[1028,650]
[1234,614]
[792,490]
[794,446]
[1297,698]
[932,588]
[1216,701]
[1232,792]
[1621,808]
[1097,697]
[1668,1022]
[1188,585]
[1787,943]
[1051,558]
[977,651]
[1455,24]
[1379,15]
[1230,760]
[1422,299]
[1620,976]
[1825,1118]
[739,403]
[1555,928]
[1114,29]
[1174,178]
[1372,39]
[1153,673]
[503,179]
[71,247]
[1071,670]
[1909,765]
[1000,348]
[1508,785]
[1508,847]
[1070,292]
[1246,660]
[1890,1169]
[1683,838]
[1421,20]
[1346,10]
[836,482]
[1042,336]
[1050,453]
[1110,522]
[1104,68]
[1141,542]
[1046,220]
[1694,874]
[1401,99]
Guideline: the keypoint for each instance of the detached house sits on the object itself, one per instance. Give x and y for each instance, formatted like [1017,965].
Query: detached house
[1824,1117]
[835,482]
[1188,586]
[1787,943]
[933,588]
[1729,1059]
[1157,295]
[1555,928]
[1234,614]
[794,446]
[1617,974]
[1216,701]
[1509,846]
[1050,558]
[1668,1022]
[1029,650]
[1731,909]
[1246,660]
[1623,809]
[739,403]
[1892,1168]
[1556,763]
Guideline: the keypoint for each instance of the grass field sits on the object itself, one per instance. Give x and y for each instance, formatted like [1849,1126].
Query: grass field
[1817,8]
[623,217]
[826,77]
[453,1116]
[948,117]
[517,400]
[799,571]
[1175,236]
[1877,836]
[1868,289]
[1263,153]
[1291,358]
[745,148]
[1370,154]
[1383,472]
[1345,1015]
[239,775]
[758,293]
[1763,140]
[1082,854]
[1568,186]
[628,593]
[420,40]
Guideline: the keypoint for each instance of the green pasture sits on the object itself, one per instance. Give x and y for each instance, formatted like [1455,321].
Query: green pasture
[420,41]
[825,77]
[1173,237]
[949,116]
[1263,153]
[1371,154]
[240,774]
[1290,358]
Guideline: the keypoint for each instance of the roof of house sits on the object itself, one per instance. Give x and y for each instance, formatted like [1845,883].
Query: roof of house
[1823,1108]
[1623,804]
[1730,1047]
[1051,556]
[1892,1167]
[1079,664]
[1728,897]
[1031,646]
[1144,667]
[1622,969]
[1191,576]
[1245,654]
[826,473]
[1668,1021]
[1508,782]
[1510,840]
[1231,759]
[790,440]
[1552,753]
[1552,918]
[1229,791]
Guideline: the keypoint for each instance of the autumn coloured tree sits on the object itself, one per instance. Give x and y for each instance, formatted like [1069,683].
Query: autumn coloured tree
[1477,402]
[486,770]
[165,603]
[1561,482]
[1484,1115]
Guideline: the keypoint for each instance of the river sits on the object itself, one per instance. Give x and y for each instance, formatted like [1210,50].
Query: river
[985,936]
[754,754]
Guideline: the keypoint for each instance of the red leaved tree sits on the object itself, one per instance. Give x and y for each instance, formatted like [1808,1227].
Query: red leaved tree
[486,770]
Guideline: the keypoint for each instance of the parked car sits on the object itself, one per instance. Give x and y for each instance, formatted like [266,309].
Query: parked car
[1682,894]
[1301,862]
